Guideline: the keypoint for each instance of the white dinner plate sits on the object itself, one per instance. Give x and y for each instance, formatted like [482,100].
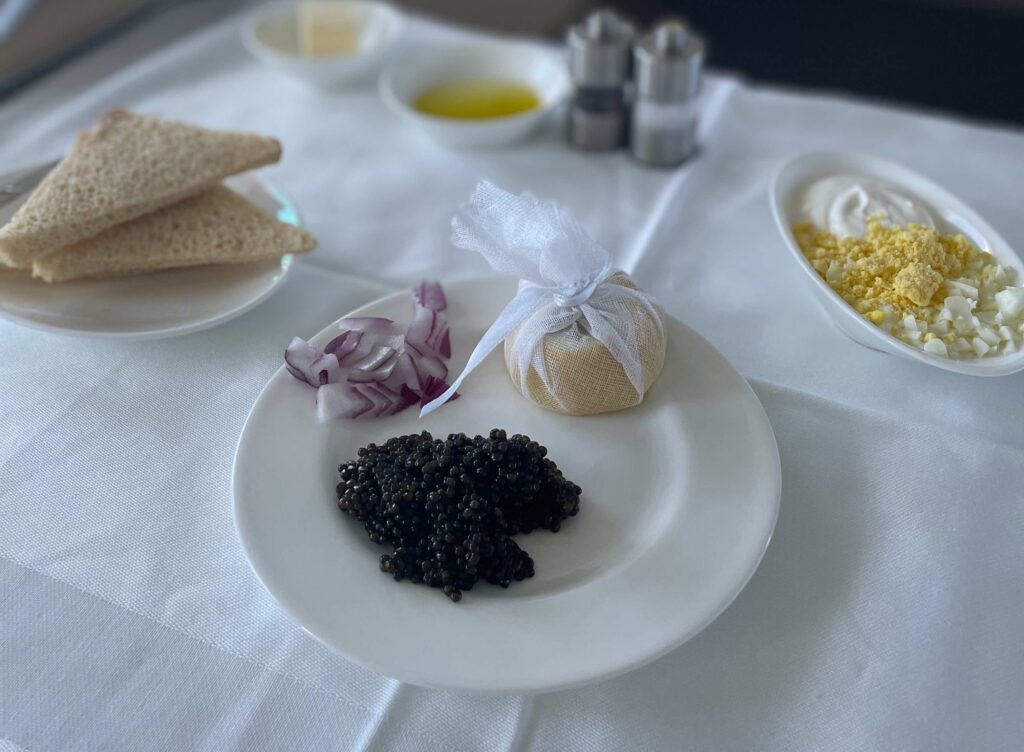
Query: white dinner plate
[149,306]
[680,497]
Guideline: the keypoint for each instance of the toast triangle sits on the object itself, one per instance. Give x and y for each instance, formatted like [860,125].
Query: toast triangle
[214,227]
[129,165]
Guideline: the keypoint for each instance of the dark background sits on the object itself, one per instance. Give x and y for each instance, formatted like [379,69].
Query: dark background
[963,57]
[960,56]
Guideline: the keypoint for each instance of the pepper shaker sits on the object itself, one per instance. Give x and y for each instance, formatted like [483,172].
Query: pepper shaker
[668,64]
[599,65]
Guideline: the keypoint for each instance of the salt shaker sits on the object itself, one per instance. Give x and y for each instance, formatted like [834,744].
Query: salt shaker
[599,64]
[668,64]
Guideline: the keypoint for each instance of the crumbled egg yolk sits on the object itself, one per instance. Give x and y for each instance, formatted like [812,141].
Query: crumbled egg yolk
[935,292]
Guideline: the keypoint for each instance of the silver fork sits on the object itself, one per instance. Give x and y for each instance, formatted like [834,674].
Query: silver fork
[15,184]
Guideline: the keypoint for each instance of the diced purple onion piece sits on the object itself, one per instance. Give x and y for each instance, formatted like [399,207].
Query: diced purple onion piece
[444,349]
[436,325]
[431,366]
[340,401]
[388,363]
[419,350]
[368,324]
[307,363]
[344,344]
[380,401]
[408,398]
[363,348]
[383,367]
[379,356]
[404,374]
[389,399]
[355,376]
[430,295]
[419,328]
[434,388]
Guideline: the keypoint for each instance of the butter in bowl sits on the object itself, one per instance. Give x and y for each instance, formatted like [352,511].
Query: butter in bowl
[324,43]
[476,96]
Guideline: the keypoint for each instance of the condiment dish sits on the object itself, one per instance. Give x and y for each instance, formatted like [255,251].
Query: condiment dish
[533,65]
[272,36]
[952,215]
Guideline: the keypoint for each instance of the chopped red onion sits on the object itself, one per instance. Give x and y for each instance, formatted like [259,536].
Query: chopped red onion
[362,350]
[432,367]
[340,401]
[404,374]
[420,327]
[343,344]
[379,356]
[380,401]
[369,324]
[430,295]
[369,370]
[428,332]
[307,363]
[434,388]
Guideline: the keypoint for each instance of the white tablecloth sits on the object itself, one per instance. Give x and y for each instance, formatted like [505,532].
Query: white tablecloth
[888,613]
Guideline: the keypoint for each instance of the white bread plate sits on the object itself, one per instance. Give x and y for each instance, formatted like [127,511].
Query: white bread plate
[953,216]
[155,305]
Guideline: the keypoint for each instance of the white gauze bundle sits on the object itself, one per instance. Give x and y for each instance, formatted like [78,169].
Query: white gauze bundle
[580,338]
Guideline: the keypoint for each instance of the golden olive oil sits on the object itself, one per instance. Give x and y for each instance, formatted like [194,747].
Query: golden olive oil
[477,99]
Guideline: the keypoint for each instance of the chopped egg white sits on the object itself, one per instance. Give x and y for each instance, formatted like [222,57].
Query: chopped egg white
[936,292]
[958,306]
[1010,302]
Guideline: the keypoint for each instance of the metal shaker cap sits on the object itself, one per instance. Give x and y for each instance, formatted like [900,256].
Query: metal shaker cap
[599,50]
[668,63]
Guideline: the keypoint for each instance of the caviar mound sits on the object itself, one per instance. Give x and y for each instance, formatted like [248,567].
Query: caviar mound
[449,508]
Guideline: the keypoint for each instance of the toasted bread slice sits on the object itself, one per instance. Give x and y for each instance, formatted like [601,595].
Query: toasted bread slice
[129,165]
[214,227]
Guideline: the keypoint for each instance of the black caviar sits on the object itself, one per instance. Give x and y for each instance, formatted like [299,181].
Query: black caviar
[450,507]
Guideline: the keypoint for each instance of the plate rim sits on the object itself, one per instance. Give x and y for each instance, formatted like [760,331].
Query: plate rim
[287,262]
[590,677]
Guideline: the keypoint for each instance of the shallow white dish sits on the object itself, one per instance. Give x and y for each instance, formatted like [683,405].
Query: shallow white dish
[271,35]
[952,216]
[680,497]
[536,66]
[151,306]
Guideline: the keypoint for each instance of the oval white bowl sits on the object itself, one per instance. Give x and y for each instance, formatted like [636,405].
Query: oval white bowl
[538,67]
[271,35]
[953,215]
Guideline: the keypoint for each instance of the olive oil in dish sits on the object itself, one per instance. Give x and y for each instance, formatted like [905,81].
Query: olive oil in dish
[477,99]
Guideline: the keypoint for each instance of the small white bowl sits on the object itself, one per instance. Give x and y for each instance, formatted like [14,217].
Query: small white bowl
[271,35]
[535,66]
[953,215]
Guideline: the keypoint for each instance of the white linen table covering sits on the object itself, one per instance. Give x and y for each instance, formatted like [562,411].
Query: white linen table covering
[888,613]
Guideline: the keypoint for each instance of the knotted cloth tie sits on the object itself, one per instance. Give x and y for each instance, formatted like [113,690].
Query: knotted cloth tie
[564,277]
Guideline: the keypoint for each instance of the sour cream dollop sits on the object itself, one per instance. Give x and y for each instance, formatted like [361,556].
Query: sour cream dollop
[842,204]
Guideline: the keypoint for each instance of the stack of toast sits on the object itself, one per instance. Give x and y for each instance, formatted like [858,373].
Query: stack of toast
[139,194]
